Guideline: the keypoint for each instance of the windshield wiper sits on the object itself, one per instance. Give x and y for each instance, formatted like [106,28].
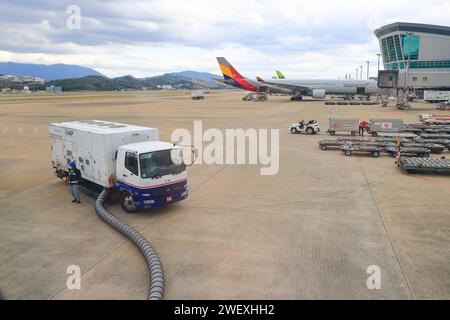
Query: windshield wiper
[173,170]
[157,173]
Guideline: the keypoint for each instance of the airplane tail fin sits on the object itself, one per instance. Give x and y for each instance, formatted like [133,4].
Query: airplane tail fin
[234,78]
[229,73]
[280,75]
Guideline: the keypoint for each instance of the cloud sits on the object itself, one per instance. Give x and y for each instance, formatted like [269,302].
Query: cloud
[302,38]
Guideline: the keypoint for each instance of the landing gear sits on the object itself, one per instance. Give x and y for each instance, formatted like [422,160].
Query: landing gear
[297,97]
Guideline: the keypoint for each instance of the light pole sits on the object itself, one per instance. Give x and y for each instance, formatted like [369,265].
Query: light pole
[361,71]
[368,69]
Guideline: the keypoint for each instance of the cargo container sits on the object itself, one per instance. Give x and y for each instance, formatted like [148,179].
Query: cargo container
[349,125]
[385,125]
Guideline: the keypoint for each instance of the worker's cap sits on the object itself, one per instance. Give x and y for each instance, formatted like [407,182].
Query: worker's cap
[72,164]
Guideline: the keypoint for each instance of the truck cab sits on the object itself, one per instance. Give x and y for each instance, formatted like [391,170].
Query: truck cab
[150,174]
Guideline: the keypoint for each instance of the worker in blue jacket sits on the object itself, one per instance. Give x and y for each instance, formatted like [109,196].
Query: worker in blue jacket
[74,178]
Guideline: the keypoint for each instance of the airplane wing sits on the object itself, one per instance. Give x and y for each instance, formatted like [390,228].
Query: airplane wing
[288,86]
[228,82]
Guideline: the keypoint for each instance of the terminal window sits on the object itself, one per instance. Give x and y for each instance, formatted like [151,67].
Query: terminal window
[413,42]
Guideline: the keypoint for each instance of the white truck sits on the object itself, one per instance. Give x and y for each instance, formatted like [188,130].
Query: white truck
[146,172]
[436,96]
[197,95]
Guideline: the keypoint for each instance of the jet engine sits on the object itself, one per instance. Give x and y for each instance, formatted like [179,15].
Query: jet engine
[318,94]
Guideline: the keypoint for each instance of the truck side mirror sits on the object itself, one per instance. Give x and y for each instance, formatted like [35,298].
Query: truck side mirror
[193,154]
[194,151]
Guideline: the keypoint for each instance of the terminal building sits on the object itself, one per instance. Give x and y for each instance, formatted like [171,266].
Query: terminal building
[426,47]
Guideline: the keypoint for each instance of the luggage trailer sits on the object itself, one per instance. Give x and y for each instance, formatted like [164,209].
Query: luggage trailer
[374,151]
[433,147]
[377,139]
[327,144]
[409,152]
[421,165]
[443,142]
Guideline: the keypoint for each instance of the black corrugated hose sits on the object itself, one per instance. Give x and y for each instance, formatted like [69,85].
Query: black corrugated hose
[156,271]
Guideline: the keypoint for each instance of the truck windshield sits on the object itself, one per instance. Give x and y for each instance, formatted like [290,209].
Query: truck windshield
[159,163]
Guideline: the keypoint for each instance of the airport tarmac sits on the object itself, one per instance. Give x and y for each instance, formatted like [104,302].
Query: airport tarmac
[309,232]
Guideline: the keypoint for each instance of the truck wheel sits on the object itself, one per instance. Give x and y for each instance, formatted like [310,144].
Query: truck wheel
[127,203]
[310,131]
[375,154]
[425,155]
[323,147]
[294,130]
[348,153]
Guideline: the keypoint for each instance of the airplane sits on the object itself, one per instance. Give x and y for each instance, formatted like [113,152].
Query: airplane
[233,78]
[316,89]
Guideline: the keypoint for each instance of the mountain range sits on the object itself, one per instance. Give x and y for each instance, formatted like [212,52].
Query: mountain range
[76,78]
[47,72]
[96,83]
[204,76]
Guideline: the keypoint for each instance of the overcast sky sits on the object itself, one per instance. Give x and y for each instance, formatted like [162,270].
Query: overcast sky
[307,39]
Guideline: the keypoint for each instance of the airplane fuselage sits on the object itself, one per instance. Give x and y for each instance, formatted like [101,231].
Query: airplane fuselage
[332,86]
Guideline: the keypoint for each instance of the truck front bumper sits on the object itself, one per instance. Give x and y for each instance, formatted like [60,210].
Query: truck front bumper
[161,196]
[151,202]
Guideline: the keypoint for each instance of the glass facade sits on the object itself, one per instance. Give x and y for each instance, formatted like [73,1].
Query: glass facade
[430,64]
[419,65]
[384,51]
[421,49]
[412,42]
[391,49]
[395,51]
[398,47]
